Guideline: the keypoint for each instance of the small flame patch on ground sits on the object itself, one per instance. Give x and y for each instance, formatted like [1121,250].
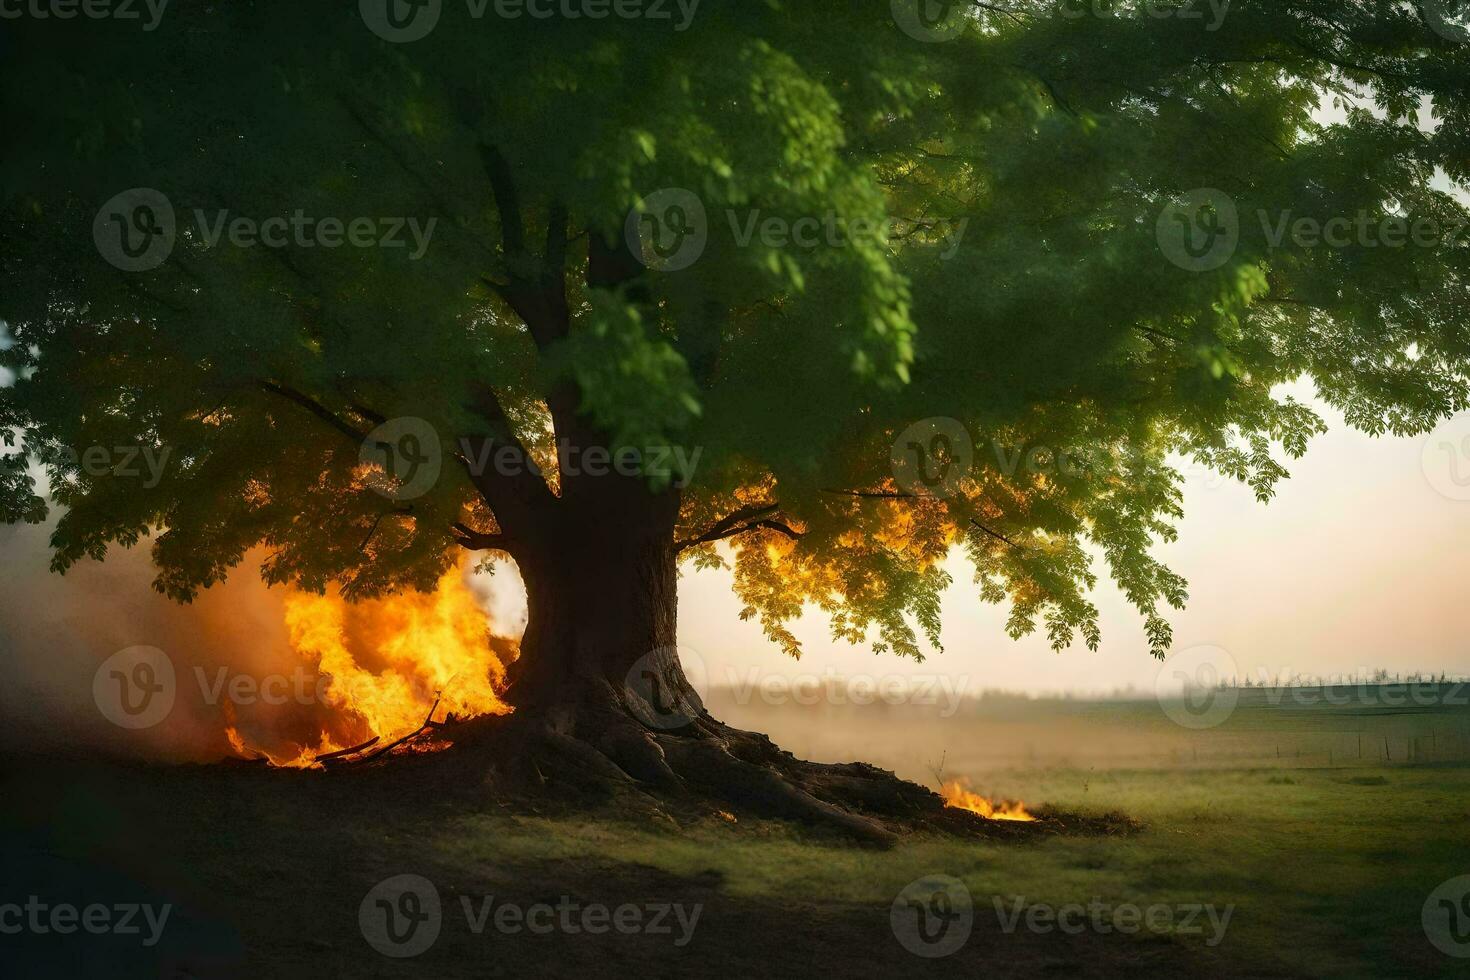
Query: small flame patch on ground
[384,662]
[957,795]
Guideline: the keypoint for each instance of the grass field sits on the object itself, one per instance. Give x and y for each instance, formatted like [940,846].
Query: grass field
[1299,867]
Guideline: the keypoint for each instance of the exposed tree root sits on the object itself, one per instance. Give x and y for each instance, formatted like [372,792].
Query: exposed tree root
[602,754]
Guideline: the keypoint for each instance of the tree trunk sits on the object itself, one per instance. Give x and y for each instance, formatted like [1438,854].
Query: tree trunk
[601,632]
[602,702]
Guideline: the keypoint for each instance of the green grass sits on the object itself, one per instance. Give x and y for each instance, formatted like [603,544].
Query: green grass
[1327,868]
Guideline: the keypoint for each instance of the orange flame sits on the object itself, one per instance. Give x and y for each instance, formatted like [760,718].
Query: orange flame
[956,795]
[382,663]
[232,732]
[236,742]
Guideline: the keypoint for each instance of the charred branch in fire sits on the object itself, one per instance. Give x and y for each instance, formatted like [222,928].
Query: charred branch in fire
[353,750]
[343,757]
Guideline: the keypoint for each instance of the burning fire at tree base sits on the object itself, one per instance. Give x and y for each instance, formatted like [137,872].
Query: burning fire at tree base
[392,671]
[389,669]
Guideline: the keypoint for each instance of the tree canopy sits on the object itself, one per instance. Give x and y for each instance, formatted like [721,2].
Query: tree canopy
[1025,164]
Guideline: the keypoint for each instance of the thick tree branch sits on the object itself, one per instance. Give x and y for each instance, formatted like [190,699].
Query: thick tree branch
[499,465]
[471,540]
[995,534]
[535,288]
[775,525]
[494,485]
[743,520]
[556,243]
[716,530]
[316,408]
[507,202]
[611,264]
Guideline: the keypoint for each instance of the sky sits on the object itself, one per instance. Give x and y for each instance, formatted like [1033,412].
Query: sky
[1362,561]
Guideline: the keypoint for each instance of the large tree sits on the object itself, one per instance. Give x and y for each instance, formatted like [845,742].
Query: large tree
[657,232]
